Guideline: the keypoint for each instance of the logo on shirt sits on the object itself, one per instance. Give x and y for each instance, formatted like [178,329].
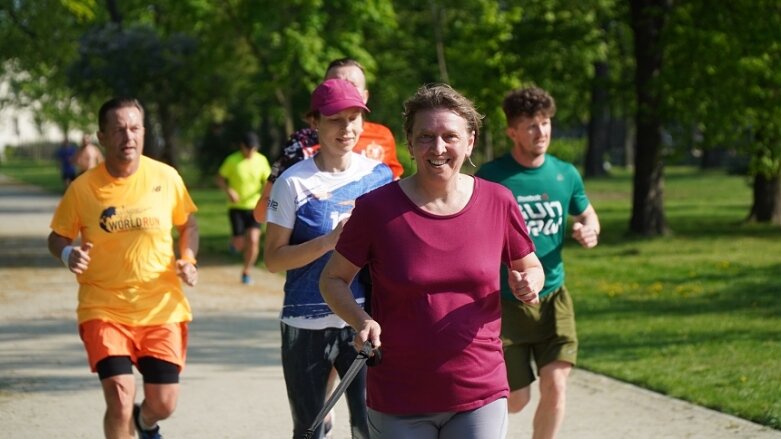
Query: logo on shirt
[374,151]
[124,220]
[541,215]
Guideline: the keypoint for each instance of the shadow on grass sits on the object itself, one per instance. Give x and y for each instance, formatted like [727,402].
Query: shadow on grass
[691,225]
[748,290]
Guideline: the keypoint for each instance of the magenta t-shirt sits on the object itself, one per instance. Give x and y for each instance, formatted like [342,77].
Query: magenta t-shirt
[435,293]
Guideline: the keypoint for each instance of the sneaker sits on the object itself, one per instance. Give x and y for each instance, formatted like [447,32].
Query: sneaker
[245,279]
[233,251]
[144,434]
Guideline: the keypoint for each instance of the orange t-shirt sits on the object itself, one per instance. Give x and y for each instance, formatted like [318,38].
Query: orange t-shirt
[131,278]
[377,142]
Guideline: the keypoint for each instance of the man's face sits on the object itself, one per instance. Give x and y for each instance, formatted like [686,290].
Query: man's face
[123,135]
[247,151]
[351,74]
[531,135]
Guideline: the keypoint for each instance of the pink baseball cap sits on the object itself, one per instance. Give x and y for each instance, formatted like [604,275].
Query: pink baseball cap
[335,95]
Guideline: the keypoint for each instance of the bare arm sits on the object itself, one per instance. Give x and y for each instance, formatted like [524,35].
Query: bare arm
[335,286]
[280,255]
[526,279]
[77,259]
[189,242]
[260,209]
[586,228]
[222,183]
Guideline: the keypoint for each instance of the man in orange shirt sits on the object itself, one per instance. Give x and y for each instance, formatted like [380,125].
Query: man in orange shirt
[132,309]
[376,141]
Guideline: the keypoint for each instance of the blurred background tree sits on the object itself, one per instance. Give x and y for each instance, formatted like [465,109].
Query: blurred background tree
[638,84]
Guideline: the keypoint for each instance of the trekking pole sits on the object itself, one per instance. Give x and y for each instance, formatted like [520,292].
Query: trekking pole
[360,360]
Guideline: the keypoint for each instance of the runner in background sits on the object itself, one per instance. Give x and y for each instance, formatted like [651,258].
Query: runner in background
[65,156]
[89,155]
[307,210]
[376,141]
[132,309]
[547,190]
[242,176]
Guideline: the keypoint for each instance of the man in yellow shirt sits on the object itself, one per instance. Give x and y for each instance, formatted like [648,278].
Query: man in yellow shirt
[132,309]
[242,176]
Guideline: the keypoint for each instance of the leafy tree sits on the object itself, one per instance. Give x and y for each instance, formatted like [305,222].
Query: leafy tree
[724,77]
[136,61]
[577,50]
[458,42]
[38,39]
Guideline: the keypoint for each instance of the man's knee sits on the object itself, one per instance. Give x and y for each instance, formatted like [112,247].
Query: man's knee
[518,399]
[119,392]
[160,406]
[553,380]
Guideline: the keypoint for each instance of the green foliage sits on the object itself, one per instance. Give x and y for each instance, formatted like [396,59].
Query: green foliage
[37,40]
[405,158]
[254,62]
[44,174]
[568,149]
[723,76]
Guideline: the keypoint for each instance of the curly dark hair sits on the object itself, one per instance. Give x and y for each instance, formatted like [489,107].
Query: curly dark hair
[528,102]
[433,96]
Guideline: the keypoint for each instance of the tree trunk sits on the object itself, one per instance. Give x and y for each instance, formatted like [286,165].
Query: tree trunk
[648,216]
[113,11]
[767,200]
[437,14]
[599,124]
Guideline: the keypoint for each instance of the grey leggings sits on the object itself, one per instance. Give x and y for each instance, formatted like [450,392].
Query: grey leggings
[486,422]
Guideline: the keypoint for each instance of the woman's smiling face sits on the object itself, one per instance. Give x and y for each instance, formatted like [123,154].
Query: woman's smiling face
[440,142]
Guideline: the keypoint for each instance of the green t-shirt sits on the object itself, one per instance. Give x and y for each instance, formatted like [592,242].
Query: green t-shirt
[246,176]
[546,196]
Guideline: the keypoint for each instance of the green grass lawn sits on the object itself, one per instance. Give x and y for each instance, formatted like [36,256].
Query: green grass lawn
[695,315]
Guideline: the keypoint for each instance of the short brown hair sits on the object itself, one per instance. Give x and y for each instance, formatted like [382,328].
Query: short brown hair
[434,96]
[528,102]
[115,104]
[344,62]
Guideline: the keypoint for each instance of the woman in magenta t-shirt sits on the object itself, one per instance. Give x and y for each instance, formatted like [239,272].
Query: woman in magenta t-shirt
[434,243]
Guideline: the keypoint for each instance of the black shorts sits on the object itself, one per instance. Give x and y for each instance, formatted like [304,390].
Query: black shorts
[154,370]
[242,220]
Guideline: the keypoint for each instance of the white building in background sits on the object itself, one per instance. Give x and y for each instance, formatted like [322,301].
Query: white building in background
[18,125]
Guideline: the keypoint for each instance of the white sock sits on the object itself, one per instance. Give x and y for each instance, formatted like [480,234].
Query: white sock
[143,425]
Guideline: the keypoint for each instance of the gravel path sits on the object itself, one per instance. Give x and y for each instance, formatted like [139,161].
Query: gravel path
[233,385]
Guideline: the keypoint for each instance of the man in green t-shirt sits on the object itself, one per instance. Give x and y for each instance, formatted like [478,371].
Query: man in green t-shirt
[547,190]
[242,176]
